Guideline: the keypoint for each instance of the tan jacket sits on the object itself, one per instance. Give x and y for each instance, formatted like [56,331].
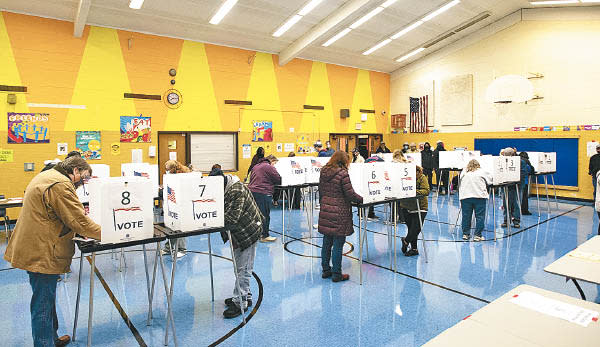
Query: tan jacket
[51,215]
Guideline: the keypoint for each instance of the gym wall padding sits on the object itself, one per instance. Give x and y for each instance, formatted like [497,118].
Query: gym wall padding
[566,154]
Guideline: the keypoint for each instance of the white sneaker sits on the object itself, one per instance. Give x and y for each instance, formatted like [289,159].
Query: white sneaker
[181,254]
[268,239]
[465,237]
[478,238]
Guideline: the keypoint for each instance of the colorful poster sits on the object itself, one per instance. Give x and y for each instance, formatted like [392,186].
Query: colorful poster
[6,155]
[88,144]
[28,128]
[263,131]
[136,129]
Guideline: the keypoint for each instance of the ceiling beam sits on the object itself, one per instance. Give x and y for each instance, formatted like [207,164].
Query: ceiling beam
[81,17]
[294,49]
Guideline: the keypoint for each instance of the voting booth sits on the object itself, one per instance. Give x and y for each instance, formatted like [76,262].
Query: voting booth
[400,180]
[388,157]
[368,180]
[144,170]
[193,202]
[123,207]
[292,170]
[98,171]
[414,158]
[543,162]
[314,164]
[502,169]
[457,159]
[513,169]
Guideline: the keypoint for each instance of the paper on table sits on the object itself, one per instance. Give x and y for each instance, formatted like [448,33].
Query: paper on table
[591,148]
[594,257]
[555,308]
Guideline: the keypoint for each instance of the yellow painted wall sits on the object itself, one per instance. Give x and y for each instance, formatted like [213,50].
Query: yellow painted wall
[565,52]
[98,68]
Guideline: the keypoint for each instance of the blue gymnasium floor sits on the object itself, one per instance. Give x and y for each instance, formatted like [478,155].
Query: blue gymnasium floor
[293,306]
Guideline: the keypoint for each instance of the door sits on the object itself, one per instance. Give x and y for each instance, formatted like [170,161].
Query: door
[171,146]
[344,143]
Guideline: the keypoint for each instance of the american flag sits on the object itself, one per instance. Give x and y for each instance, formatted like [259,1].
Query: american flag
[295,165]
[141,174]
[418,114]
[171,194]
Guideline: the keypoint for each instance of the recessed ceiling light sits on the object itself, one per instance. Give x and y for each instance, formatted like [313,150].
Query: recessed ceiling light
[366,17]
[337,37]
[282,29]
[309,7]
[136,4]
[222,11]
[407,29]
[388,3]
[441,10]
[554,2]
[377,46]
[416,51]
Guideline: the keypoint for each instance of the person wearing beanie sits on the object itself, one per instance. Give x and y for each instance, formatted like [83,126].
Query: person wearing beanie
[244,220]
[526,170]
[427,162]
[382,148]
[441,175]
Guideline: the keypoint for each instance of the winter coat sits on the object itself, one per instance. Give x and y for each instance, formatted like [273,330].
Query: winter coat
[594,166]
[242,216]
[383,150]
[526,170]
[423,191]
[427,159]
[436,156]
[264,177]
[336,195]
[51,216]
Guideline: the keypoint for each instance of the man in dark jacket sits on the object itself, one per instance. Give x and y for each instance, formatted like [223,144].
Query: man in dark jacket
[382,148]
[595,167]
[244,221]
[526,170]
[427,162]
[441,175]
[263,179]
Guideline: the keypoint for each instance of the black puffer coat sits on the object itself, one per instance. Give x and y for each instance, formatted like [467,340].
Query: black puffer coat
[336,194]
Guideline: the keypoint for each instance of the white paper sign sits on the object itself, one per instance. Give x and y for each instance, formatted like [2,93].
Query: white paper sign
[591,148]
[123,206]
[246,151]
[289,147]
[279,147]
[98,171]
[63,149]
[172,155]
[368,180]
[136,155]
[152,151]
[193,202]
[555,308]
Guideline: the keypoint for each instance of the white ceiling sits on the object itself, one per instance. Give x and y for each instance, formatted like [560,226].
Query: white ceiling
[251,22]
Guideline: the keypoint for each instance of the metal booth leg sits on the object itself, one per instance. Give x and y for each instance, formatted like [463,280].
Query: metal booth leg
[547,196]
[360,246]
[170,293]
[91,299]
[156,255]
[147,284]
[554,185]
[508,216]
[170,319]
[422,234]
[494,211]
[78,295]
[210,264]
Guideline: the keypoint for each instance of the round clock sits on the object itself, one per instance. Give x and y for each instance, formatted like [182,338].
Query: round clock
[173,98]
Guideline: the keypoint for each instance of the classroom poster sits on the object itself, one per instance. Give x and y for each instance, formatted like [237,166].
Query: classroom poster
[6,155]
[28,128]
[136,129]
[262,131]
[88,144]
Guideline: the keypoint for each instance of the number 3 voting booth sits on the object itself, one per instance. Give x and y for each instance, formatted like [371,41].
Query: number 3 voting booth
[123,206]
[193,202]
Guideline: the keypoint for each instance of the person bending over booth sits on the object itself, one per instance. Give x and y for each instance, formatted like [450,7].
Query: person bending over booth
[473,195]
[42,244]
[335,218]
[415,215]
[263,179]
[244,220]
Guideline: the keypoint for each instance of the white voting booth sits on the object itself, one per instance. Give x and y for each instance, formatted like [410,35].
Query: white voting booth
[378,181]
[501,168]
[457,159]
[314,164]
[414,158]
[145,170]
[543,162]
[98,171]
[400,180]
[292,170]
[193,202]
[123,206]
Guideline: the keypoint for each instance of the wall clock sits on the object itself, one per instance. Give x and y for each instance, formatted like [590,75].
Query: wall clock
[173,98]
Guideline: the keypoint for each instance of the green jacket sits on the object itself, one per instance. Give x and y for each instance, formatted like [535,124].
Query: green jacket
[242,216]
[423,191]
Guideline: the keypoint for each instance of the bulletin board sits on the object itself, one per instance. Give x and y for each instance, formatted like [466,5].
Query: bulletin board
[566,154]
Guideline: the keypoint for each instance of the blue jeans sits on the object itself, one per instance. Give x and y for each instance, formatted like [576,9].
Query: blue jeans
[468,206]
[44,323]
[335,255]
[264,205]
[515,211]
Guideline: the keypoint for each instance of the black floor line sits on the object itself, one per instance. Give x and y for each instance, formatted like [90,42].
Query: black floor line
[285,246]
[122,312]
[398,272]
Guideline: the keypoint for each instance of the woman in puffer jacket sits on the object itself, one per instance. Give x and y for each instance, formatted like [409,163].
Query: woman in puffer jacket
[335,217]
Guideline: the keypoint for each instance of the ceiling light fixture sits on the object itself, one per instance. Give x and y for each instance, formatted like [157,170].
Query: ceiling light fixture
[416,51]
[136,4]
[366,17]
[388,3]
[554,2]
[590,0]
[407,29]
[337,37]
[296,18]
[440,10]
[222,11]
[377,46]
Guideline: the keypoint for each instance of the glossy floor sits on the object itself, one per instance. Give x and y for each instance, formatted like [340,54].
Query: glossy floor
[293,306]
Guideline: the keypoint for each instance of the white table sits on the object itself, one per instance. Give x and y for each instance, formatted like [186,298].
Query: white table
[503,323]
[576,268]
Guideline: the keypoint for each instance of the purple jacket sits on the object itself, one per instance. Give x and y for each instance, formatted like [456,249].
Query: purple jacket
[263,178]
[336,193]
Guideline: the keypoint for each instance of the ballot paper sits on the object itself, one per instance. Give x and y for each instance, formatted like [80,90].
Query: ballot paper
[593,257]
[555,308]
